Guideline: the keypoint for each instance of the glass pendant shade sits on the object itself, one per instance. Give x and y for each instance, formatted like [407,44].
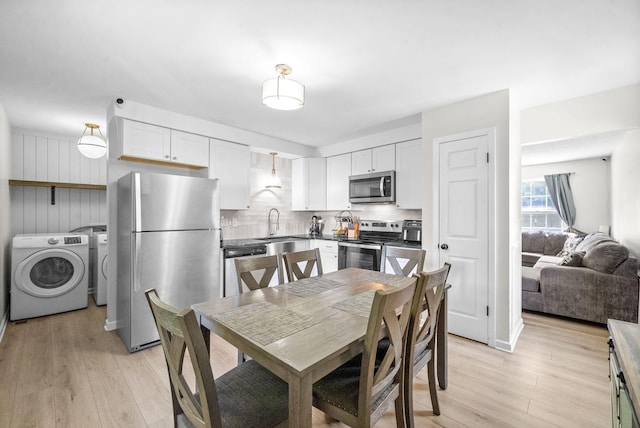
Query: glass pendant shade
[281,93]
[92,146]
[273,182]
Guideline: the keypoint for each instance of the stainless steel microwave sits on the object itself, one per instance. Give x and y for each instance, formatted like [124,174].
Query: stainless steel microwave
[377,187]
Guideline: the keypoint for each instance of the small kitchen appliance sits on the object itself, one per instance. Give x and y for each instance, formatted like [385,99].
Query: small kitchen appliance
[412,231]
[316,227]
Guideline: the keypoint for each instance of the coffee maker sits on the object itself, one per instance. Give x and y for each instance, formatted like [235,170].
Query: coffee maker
[316,226]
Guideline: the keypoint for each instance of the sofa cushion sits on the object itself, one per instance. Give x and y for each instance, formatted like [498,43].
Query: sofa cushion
[554,243]
[545,261]
[529,259]
[592,240]
[570,244]
[530,279]
[605,257]
[572,259]
[533,242]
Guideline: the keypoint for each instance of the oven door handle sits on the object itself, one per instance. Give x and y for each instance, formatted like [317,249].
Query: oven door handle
[365,246]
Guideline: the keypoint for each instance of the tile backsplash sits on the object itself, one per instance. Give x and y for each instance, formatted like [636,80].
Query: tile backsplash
[253,222]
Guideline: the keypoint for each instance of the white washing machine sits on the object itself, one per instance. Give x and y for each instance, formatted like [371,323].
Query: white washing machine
[100,269]
[49,274]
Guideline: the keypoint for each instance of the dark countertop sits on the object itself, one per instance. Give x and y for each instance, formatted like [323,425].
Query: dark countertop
[238,243]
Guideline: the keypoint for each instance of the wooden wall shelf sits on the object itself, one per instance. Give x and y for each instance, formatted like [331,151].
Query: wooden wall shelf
[54,184]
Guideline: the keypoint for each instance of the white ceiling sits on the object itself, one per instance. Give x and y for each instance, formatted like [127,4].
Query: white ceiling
[364,63]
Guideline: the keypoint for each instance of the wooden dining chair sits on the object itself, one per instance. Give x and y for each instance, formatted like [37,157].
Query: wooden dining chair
[264,268]
[421,346]
[293,263]
[394,256]
[360,391]
[246,396]
[248,268]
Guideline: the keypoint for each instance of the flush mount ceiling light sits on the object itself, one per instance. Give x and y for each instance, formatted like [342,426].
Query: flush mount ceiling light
[281,93]
[274,181]
[92,146]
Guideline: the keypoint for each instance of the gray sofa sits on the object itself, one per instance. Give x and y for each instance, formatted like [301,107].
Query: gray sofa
[591,278]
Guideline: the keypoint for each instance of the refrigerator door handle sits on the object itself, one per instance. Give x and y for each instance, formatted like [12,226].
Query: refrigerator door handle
[137,214]
[136,264]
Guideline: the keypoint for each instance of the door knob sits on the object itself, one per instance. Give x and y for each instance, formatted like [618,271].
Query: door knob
[444,246]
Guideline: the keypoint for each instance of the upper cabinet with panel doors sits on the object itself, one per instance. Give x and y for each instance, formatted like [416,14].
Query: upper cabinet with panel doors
[378,159]
[409,163]
[308,184]
[231,164]
[156,144]
[338,172]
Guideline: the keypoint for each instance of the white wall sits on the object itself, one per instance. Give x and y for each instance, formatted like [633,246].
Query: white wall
[483,112]
[625,192]
[590,183]
[598,113]
[5,215]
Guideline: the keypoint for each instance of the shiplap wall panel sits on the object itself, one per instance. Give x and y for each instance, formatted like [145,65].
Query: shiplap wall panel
[63,160]
[42,209]
[48,158]
[53,211]
[29,158]
[17,156]
[64,209]
[42,159]
[53,150]
[16,195]
[74,165]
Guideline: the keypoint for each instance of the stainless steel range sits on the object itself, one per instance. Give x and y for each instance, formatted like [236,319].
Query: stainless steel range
[366,252]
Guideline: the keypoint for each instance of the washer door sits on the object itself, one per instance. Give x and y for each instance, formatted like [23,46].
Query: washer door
[49,273]
[105,265]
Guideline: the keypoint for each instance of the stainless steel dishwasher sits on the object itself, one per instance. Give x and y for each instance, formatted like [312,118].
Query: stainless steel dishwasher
[231,253]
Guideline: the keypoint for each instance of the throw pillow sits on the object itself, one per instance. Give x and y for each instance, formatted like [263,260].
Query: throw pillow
[554,243]
[573,239]
[605,257]
[593,239]
[573,259]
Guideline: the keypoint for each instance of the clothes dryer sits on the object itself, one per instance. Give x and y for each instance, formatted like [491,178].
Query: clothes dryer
[49,274]
[100,269]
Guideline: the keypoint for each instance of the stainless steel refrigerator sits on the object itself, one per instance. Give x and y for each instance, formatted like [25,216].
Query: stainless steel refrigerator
[168,239]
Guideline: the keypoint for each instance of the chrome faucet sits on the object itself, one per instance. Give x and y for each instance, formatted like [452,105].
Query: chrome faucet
[269,222]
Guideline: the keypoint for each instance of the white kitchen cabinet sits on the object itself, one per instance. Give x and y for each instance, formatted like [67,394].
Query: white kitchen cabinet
[142,141]
[409,163]
[377,159]
[189,149]
[338,172]
[328,253]
[231,164]
[309,184]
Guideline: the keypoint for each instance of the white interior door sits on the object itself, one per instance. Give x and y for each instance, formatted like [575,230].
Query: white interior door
[463,234]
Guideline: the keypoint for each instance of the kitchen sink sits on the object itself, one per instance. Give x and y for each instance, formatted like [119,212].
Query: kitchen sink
[285,244]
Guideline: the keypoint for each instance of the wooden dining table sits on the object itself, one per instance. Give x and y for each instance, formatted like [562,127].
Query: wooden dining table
[303,330]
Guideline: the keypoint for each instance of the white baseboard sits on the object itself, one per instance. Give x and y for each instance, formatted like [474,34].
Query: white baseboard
[510,346]
[110,325]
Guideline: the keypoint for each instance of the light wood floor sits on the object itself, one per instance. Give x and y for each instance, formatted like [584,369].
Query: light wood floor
[65,371]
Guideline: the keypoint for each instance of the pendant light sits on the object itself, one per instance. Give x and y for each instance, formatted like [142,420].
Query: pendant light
[92,146]
[274,181]
[281,93]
